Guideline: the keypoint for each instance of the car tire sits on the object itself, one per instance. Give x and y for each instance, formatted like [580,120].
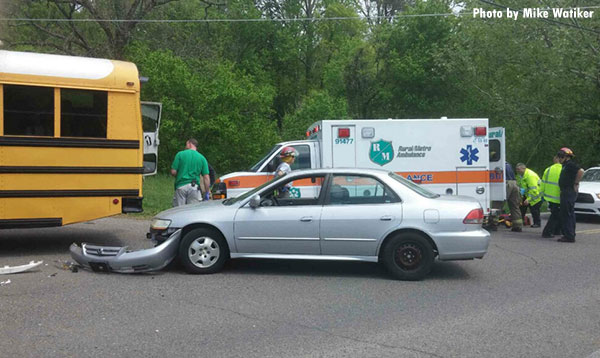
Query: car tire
[203,251]
[408,256]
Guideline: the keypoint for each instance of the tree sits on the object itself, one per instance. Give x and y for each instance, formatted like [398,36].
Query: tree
[91,34]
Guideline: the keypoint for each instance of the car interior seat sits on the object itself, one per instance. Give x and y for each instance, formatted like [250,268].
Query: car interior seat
[339,194]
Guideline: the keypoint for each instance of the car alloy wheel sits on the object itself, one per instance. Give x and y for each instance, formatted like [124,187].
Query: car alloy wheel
[203,252]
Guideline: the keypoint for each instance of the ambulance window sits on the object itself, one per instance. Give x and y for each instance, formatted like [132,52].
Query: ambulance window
[83,113]
[303,159]
[257,166]
[28,110]
[494,150]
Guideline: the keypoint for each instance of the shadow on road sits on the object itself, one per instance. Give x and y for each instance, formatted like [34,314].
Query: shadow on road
[448,271]
[51,240]
[440,270]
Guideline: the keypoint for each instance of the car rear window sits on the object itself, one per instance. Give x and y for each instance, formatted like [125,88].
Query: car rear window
[414,187]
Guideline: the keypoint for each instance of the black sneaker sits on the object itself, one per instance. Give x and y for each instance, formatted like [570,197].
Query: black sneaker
[565,239]
[535,225]
[547,236]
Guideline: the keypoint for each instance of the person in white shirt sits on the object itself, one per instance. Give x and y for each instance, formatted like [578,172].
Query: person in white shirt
[287,155]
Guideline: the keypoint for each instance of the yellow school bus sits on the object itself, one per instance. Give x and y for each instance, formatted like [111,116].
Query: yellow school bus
[71,142]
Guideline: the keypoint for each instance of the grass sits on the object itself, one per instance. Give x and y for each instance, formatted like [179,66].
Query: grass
[158,195]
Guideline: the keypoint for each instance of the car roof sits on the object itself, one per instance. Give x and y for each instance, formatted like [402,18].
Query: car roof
[340,171]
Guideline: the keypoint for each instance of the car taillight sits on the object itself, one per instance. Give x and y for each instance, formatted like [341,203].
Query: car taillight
[475,216]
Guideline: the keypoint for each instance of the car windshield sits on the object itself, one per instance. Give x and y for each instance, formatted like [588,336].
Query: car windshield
[414,187]
[257,166]
[591,175]
[248,193]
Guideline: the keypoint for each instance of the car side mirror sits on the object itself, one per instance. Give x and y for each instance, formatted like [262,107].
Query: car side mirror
[254,201]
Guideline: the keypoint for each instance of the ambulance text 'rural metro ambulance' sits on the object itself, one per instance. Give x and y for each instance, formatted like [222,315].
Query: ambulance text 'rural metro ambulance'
[448,156]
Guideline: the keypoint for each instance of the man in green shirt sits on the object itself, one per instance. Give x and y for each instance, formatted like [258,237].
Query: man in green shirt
[190,170]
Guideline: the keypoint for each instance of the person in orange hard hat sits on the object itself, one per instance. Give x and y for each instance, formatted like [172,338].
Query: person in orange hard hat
[568,182]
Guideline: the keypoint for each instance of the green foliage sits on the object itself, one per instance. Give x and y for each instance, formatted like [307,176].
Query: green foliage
[239,87]
[226,110]
[318,105]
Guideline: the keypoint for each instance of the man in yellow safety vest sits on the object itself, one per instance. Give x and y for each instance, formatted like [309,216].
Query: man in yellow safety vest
[529,183]
[551,193]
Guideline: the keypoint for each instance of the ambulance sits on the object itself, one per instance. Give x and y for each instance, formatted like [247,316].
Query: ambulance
[447,156]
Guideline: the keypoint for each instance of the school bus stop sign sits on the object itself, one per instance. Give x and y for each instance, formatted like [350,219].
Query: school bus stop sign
[381,152]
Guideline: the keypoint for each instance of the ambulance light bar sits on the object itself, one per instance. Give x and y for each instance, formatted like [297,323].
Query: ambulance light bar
[313,131]
[343,132]
[480,131]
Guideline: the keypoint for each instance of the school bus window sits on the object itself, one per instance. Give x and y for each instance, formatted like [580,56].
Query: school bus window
[28,110]
[83,113]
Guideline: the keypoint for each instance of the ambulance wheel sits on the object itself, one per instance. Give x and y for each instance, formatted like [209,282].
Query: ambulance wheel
[203,251]
[408,256]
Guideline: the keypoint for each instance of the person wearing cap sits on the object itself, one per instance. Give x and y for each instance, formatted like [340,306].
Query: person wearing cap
[191,173]
[529,182]
[288,156]
[513,199]
[568,182]
[551,193]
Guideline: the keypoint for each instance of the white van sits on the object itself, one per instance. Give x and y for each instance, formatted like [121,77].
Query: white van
[448,156]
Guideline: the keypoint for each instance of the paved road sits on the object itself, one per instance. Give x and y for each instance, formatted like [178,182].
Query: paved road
[528,297]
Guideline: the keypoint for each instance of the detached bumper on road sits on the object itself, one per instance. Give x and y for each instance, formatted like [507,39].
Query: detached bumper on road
[462,245]
[119,259]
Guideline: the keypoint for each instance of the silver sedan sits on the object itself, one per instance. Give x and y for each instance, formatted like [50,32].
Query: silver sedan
[339,214]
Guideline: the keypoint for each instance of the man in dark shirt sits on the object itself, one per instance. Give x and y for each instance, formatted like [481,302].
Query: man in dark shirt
[569,186]
[513,198]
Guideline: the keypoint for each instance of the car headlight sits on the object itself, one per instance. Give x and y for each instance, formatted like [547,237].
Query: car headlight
[598,195]
[160,224]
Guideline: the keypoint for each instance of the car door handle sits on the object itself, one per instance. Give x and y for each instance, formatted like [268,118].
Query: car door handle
[386,218]
[306,219]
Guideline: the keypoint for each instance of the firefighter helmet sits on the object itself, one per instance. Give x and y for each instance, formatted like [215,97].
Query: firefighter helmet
[566,151]
[288,152]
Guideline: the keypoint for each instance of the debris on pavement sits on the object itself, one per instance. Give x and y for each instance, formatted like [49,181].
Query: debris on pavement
[66,265]
[4,283]
[18,269]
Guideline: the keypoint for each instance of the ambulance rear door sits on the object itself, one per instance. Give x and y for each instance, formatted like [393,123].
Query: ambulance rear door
[343,146]
[473,181]
[497,149]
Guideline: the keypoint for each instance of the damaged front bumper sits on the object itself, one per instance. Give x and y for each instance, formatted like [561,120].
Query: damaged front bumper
[119,259]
